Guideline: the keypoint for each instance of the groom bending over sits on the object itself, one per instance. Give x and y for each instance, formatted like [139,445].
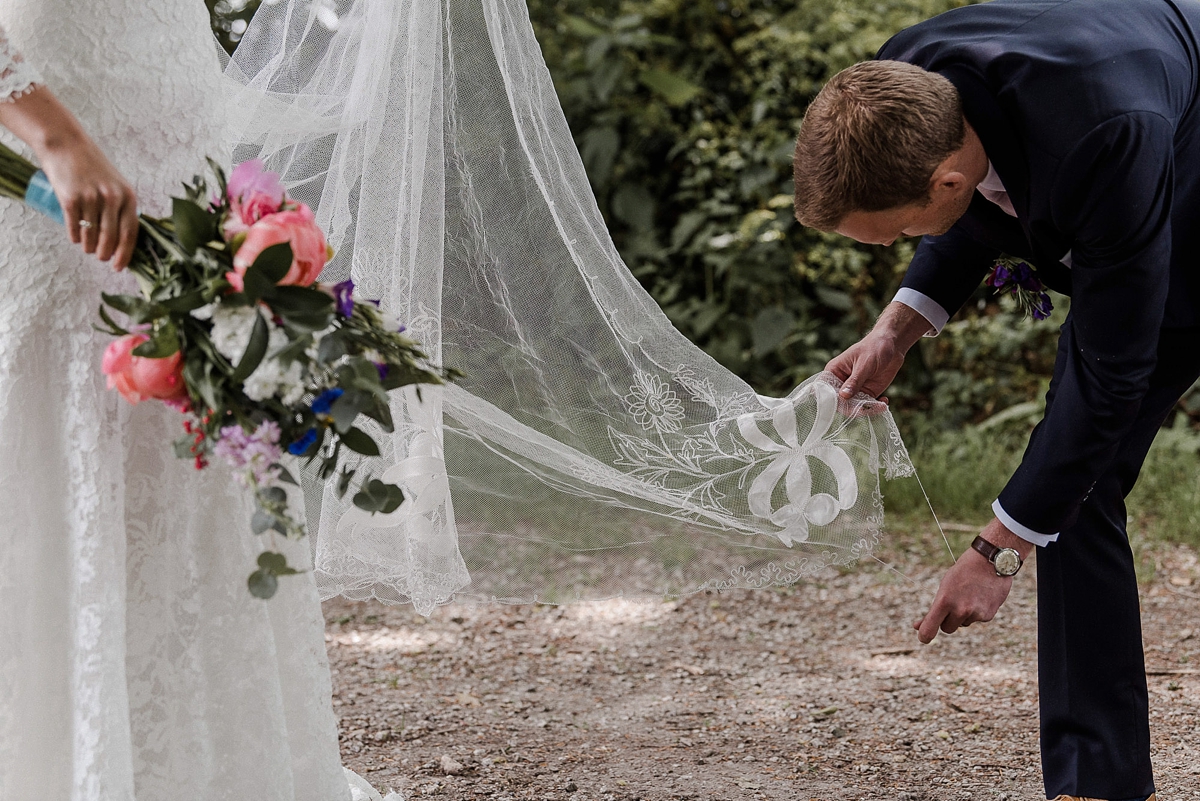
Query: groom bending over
[1065,133]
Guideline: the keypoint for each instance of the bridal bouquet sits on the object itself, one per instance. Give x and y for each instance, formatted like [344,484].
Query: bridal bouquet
[232,329]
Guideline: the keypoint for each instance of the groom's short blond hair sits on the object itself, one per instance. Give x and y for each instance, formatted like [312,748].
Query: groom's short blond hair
[871,140]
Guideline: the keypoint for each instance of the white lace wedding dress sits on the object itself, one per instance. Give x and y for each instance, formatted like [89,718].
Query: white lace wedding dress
[133,662]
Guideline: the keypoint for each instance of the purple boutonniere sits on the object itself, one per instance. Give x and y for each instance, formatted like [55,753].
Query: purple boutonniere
[1019,279]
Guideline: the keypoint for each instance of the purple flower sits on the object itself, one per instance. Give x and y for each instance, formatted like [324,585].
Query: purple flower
[343,297]
[382,368]
[256,452]
[1041,306]
[325,400]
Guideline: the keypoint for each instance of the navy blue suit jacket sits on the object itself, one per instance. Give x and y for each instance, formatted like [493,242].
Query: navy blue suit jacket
[1088,112]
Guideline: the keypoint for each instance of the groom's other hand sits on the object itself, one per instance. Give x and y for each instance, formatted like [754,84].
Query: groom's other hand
[971,592]
[870,365]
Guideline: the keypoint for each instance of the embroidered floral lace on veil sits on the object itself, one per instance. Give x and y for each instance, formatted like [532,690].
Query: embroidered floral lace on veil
[591,449]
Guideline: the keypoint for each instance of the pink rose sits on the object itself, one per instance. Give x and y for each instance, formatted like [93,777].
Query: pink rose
[298,228]
[253,194]
[138,378]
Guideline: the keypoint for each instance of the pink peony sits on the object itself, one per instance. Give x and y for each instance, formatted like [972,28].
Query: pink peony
[298,228]
[253,194]
[138,378]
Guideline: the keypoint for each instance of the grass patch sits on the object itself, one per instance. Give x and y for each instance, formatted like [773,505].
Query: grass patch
[964,471]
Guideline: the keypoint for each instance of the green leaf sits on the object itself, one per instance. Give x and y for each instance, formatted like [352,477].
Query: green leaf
[308,322]
[770,327]
[185,303]
[674,89]
[138,309]
[261,521]
[285,475]
[599,151]
[274,494]
[193,225]
[345,409]
[360,441]
[273,263]
[276,563]
[344,482]
[262,584]
[289,300]
[376,496]
[256,349]
[113,328]
[256,285]
[331,348]
[164,343]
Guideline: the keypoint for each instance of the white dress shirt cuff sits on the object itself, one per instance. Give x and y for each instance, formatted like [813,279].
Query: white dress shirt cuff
[1024,532]
[925,306]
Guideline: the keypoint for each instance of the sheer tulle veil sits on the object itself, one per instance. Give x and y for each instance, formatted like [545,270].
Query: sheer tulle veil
[591,450]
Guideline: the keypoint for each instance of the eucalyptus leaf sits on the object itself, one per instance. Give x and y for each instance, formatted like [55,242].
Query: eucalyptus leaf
[360,441]
[261,521]
[262,584]
[274,494]
[285,475]
[345,410]
[331,347]
[377,496]
[343,483]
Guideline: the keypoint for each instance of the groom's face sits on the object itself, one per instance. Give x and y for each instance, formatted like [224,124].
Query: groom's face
[885,227]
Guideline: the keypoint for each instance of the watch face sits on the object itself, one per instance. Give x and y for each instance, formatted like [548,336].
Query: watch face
[1007,562]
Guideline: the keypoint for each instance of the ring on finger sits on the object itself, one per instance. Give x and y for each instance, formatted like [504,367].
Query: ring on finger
[85,224]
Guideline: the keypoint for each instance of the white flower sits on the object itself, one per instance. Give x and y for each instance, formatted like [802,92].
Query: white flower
[723,240]
[271,378]
[231,330]
[204,312]
[653,404]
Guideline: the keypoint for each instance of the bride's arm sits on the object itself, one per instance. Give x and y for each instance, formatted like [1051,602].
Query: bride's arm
[89,188]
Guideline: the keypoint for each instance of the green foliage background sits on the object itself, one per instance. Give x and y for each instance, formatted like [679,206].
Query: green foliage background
[685,114]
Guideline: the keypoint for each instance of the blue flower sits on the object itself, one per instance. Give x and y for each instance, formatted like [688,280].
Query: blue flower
[325,400]
[300,446]
[343,298]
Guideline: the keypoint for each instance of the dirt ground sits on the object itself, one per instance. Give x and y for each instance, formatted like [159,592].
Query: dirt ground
[820,691]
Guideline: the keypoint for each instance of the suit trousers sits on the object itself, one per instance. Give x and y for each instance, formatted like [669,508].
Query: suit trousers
[1095,728]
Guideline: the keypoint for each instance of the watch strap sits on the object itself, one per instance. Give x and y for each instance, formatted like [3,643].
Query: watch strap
[986,548]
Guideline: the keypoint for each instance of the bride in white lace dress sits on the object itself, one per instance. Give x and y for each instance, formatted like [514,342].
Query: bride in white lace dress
[134,664]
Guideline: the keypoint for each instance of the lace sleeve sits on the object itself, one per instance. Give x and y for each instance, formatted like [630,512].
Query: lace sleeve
[16,77]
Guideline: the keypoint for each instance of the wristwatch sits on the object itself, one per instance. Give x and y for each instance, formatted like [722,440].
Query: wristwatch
[1006,561]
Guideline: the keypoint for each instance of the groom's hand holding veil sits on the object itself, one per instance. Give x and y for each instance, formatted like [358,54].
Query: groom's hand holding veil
[99,205]
[870,364]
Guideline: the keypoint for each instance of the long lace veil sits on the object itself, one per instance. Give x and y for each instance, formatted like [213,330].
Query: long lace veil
[591,450]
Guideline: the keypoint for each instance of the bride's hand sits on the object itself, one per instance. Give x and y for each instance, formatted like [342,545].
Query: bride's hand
[99,206]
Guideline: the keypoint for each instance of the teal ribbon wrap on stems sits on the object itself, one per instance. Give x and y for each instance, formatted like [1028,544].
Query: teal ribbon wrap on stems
[40,197]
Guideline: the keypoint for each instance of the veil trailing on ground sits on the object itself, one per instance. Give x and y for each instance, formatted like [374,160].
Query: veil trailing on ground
[591,450]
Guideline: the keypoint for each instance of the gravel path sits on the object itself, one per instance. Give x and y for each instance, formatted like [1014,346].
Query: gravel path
[820,691]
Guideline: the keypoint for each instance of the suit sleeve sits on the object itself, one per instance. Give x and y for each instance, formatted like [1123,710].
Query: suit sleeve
[1113,194]
[947,269]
